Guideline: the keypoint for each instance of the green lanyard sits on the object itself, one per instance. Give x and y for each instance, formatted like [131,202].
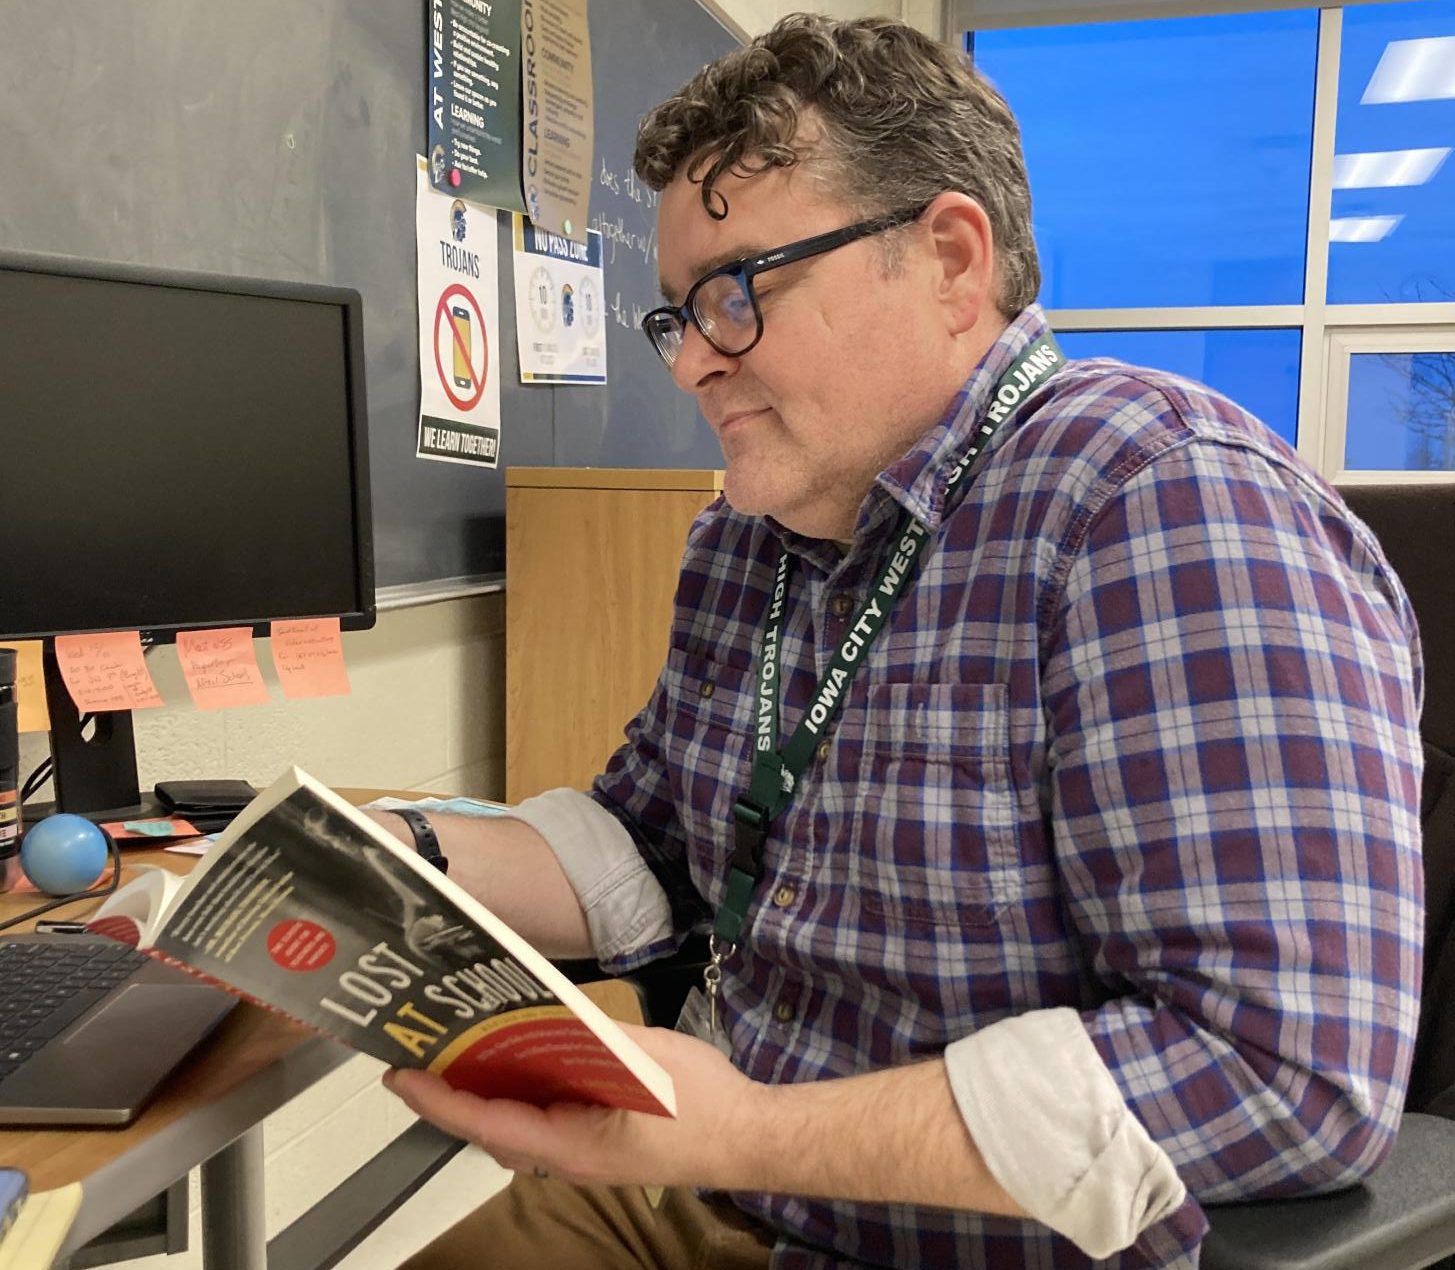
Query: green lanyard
[776,771]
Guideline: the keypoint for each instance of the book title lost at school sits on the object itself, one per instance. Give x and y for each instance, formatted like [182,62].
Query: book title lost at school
[306,906]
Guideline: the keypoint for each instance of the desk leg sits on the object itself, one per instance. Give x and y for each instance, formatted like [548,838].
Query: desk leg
[234,1233]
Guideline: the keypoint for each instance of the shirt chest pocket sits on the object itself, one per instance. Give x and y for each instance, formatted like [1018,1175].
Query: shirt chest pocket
[933,836]
[707,747]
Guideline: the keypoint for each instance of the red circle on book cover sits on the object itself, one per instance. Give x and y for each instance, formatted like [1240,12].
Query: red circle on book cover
[300,945]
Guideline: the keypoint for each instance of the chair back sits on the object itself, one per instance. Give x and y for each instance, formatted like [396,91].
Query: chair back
[1415,525]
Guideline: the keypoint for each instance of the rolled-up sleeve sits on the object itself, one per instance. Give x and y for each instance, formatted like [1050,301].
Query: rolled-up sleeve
[625,906]
[1055,1132]
[1232,687]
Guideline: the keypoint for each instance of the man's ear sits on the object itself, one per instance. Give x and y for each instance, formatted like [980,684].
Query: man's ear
[964,259]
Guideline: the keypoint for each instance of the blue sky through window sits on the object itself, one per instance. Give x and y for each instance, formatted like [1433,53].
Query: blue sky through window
[1257,369]
[1395,242]
[1169,159]
[1401,413]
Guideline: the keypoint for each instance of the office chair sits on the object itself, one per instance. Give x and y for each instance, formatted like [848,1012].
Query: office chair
[1404,1215]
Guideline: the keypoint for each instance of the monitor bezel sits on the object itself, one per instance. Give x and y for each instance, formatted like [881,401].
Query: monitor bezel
[346,299]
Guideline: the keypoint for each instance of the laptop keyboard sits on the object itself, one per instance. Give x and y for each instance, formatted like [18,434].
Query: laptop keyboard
[46,985]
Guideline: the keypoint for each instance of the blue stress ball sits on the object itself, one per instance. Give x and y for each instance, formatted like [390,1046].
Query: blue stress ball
[63,854]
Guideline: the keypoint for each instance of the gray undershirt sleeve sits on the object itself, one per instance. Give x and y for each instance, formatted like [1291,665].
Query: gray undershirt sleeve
[1054,1130]
[626,907]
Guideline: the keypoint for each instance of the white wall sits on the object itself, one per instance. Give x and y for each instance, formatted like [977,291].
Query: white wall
[427,711]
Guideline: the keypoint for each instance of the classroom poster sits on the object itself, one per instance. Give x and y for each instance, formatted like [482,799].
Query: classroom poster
[459,327]
[556,109]
[508,88]
[472,82]
[559,320]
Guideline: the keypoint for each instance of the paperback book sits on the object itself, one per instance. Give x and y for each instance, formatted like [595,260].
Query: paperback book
[308,907]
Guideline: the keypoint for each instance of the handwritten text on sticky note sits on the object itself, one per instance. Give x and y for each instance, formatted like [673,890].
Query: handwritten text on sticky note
[106,672]
[309,657]
[221,668]
[30,686]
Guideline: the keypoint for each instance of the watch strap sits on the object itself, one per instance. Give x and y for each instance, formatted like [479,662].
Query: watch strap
[425,840]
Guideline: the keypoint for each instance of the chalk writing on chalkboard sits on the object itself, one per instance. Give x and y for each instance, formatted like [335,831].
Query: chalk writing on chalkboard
[626,219]
[299,180]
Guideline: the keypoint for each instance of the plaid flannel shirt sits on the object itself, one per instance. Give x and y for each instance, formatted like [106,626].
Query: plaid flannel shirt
[1141,739]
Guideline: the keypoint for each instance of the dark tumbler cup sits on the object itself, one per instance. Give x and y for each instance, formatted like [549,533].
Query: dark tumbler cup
[9,773]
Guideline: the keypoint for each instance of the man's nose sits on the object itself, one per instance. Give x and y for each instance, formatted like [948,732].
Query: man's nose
[698,363]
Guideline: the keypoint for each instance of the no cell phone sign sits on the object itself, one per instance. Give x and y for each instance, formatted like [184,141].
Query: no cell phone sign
[461,347]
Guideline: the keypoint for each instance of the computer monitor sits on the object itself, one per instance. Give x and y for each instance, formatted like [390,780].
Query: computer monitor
[178,451]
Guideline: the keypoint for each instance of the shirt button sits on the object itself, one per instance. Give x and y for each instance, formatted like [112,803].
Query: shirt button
[784,896]
[841,604]
[822,750]
[706,688]
[783,1012]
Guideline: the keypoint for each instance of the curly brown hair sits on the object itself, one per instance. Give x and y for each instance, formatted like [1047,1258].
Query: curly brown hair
[901,118]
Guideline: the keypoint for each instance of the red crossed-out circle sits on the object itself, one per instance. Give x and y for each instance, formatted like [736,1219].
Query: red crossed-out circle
[441,314]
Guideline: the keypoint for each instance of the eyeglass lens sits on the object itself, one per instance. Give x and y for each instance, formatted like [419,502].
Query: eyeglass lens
[725,313]
[665,330]
[725,316]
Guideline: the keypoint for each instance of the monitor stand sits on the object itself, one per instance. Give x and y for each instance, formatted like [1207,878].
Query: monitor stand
[94,776]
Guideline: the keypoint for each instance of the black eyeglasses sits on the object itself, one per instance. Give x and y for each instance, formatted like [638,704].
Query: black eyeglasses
[722,304]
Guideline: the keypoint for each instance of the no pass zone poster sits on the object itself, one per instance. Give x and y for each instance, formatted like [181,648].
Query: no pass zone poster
[459,325]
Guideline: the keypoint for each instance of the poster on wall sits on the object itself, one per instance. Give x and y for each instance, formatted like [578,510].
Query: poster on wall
[556,109]
[472,79]
[459,327]
[508,88]
[560,325]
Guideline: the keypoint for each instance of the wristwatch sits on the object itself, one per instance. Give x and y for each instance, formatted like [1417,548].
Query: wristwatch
[425,841]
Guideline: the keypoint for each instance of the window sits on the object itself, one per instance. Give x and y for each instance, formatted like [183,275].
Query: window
[1392,401]
[1264,202]
[1169,160]
[1257,369]
[1392,232]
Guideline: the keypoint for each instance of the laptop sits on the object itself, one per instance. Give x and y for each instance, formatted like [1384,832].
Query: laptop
[90,1028]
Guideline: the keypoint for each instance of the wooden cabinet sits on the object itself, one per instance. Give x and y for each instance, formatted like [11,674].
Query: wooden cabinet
[591,567]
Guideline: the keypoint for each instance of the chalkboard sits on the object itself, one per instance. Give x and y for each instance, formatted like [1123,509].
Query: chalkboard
[273,139]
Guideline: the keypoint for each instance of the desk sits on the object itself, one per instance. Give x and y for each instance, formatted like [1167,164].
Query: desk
[208,1113]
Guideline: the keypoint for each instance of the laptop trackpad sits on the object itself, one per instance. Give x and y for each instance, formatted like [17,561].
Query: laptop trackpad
[149,1016]
[103,1070]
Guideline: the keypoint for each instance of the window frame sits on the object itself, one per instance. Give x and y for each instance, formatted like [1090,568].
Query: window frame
[1343,344]
[990,15]
[1330,331]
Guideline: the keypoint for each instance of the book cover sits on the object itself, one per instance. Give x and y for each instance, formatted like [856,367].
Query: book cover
[308,907]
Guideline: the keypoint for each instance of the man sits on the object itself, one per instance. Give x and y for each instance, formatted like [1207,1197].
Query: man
[1040,740]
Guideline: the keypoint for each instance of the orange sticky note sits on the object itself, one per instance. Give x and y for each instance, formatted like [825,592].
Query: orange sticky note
[309,657]
[221,668]
[34,710]
[24,886]
[106,672]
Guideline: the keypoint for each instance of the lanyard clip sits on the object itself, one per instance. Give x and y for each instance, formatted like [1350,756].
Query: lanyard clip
[750,832]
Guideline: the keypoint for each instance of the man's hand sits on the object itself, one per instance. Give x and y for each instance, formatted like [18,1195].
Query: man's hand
[716,1121]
